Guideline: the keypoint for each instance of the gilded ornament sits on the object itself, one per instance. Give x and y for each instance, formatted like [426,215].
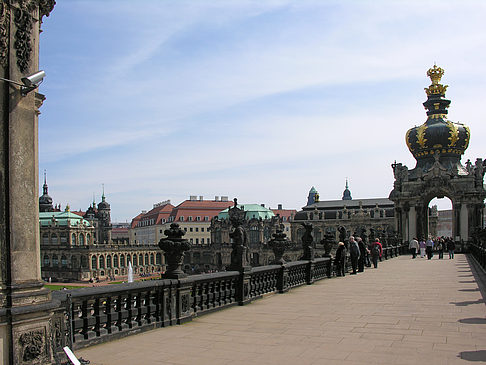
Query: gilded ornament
[437,116]
[454,133]
[435,73]
[408,141]
[468,135]
[421,140]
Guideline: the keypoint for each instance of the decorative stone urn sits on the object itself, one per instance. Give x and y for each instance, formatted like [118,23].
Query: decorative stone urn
[279,243]
[328,241]
[307,242]
[174,247]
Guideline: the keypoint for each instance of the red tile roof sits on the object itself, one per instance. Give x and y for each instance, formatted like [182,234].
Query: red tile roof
[199,208]
[285,212]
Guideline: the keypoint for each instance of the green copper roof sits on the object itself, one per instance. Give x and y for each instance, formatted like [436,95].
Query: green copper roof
[61,219]
[313,190]
[252,211]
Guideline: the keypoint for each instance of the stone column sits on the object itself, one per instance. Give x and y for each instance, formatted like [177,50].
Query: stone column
[464,220]
[25,306]
[412,223]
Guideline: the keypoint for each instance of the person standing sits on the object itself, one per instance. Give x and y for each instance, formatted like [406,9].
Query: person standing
[440,248]
[340,259]
[422,248]
[354,253]
[451,246]
[376,252]
[429,248]
[414,247]
[362,254]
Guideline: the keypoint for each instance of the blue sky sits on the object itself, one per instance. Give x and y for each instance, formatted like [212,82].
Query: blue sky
[258,100]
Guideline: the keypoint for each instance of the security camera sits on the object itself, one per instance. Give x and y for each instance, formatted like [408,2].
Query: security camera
[29,83]
[34,79]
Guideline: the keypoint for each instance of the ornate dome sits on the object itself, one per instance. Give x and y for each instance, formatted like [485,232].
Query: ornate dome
[438,137]
[45,201]
[347,192]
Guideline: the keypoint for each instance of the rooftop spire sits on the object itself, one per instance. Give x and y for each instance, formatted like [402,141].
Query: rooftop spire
[103,196]
[347,193]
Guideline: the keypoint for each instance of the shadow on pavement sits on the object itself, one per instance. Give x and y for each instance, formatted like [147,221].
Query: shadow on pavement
[473,320]
[467,302]
[473,355]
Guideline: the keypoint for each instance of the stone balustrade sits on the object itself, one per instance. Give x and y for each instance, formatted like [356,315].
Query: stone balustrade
[88,316]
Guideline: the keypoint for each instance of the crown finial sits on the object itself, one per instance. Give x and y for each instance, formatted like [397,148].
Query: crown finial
[435,73]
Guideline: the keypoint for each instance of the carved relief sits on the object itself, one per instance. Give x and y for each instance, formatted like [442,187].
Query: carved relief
[185,303]
[45,7]
[23,22]
[4,27]
[32,345]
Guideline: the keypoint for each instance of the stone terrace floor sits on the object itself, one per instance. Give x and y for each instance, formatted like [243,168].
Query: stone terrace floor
[405,312]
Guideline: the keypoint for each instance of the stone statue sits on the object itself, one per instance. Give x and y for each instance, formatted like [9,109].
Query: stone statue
[342,234]
[307,242]
[240,255]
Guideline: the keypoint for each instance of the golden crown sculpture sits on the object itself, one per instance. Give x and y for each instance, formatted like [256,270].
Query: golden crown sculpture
[435,73]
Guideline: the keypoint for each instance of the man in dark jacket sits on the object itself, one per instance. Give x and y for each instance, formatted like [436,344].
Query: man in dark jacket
[376,252]
[354,253]
[362,254]
[340,259]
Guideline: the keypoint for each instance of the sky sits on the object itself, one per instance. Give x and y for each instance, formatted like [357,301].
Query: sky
[259,100]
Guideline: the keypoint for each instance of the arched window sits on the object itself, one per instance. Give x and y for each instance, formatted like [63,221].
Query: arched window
[158,259]
[108,262]
[102,262]
[64,262]
[45,238]
[46,261]
[151,259]
[88,239]
[55,261]
[115,260]
[73,239]
[93,262]
[146,259]
[134,259]
[122,260]
[84,262]
[55,239]
[74,262]
[81,239]
[63,237]
[140,260]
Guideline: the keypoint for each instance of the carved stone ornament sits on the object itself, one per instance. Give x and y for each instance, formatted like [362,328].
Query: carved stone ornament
[45,7]
[32,346]
[4,32]
[174,246]
[22,45]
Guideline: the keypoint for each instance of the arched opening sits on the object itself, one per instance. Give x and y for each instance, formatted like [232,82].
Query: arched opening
[440,217]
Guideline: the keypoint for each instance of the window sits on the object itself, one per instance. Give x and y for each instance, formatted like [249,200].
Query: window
[73,239]
[158,259]
[181,218]
[190,240]
[140,260]
[93,262]
[285,219]
[64,261]
[88,239]
[55,239]
[185,229]
[202,241]
[84,262]
[102,262]
[146,259]
[45,239]
[197,229]
[135,260]
[202,229]
[108,262]
[151,259]
[115,261]
[160,231]
[189,219]
[46,261]
[206,218]
[190,229]
[55,261]
[81,239]
[63,237]
[197,241]
[122,260]
[198,219]
[208,241]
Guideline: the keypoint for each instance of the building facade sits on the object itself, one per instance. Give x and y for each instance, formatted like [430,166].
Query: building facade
[79,246]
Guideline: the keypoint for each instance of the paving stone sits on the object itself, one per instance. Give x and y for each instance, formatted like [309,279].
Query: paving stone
[405,312]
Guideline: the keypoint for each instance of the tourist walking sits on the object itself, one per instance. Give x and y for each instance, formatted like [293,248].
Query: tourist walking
[376,252]
[451,246]
[429,247]
[354,253]
[414,247]
[422,248]
[340,259]
[362,254]
[440,249]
